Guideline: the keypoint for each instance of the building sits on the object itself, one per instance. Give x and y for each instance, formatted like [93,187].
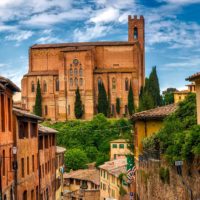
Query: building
[149,122]
[82,184]
[181,95]
[7,89]
[110,182]
[119,148]
[61,68]
[47,160]
[26,140]
[60,151]
[196,78]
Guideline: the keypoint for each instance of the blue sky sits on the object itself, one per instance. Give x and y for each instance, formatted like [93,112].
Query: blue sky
[172,31]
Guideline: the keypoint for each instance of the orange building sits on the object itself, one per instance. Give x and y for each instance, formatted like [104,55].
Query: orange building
[7,88]
[47,160]
[61,68]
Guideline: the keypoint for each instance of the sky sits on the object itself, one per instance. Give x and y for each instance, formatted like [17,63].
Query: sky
[172,32]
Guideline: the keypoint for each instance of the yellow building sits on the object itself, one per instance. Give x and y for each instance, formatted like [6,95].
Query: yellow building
[196,78]
[181,95]
[109,179]
[149,122]
[59,171]
[118,149]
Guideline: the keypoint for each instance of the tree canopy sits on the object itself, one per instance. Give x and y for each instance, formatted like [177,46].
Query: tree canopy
[131,106]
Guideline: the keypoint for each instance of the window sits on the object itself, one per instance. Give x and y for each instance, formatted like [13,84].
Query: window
[71,82]
[53,140]
[23,129]
[11,194]
[76,82]
[121,146]
[32,87]
[104,186]
[44,86]
[33,129]
[22,166]
[71,72]
[37,193]
[4,163]
[46,110]
[9,114]
[114,146]
[33,163]
[57,84]
[25,195]
[81,81]
[28,165]
[112,109]
[78,182]
[32,195]
[80,72]
[135,33]
[113,83]
[40,142]
[46,141]
[126,85]
[75,72]
[2,113]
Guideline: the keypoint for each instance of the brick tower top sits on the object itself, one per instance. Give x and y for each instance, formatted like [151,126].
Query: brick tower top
[136,30]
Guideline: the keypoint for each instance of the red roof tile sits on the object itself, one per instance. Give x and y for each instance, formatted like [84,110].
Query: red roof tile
[193,77]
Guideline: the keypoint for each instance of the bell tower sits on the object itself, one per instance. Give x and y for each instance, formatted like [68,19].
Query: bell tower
[136,30]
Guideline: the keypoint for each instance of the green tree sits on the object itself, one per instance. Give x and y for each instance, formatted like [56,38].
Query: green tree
[38,101]
[75,159]
[103,104]
[131,107]
[118,105]
[78,107]
[168,96]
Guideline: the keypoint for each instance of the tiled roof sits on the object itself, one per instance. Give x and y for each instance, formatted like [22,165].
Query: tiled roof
[5,81]
[84,174]
[156,113]
[193,77]
[42,73]
[115,167]
[44,129]
[119,141]
[24,113]
[106,43]
[60,149]
[182,92]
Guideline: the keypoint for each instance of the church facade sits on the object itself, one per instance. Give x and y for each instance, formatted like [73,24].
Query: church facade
[61,68]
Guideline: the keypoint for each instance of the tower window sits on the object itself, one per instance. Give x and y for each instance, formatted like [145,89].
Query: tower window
[113,83]
[71,82]
[75,72]
[32,87]
[81,72]
[76,82]
[135,33]
[126,84]
[57,84]
[71,72]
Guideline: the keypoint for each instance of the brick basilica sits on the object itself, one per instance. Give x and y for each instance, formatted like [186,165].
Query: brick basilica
[61,68]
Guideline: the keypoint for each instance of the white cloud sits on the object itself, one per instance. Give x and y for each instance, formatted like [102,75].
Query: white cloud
[180,2]
[19,36]
[48,39]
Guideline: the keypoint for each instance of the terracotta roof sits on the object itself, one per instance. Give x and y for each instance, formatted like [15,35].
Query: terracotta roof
[44,129]
[156,113]
[84,174]
[182,92]
[119,141]
[193,77]
[8,83]
[24,113]
[106,43]
[60,149]
[42,73]
[115,167]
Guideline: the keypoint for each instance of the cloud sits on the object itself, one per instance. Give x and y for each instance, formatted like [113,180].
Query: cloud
[19,36]
[180,2]
[48,39]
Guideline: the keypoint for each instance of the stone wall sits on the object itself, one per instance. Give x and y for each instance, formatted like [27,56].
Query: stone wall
[150,185]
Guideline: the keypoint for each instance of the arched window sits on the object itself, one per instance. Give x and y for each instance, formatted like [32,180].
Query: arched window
[44,86]
[32,87]
[75,72]
[126,84]
[99,81]
[113,83]
[135,33]
[25,195]
[76,82]
[57,84]
[81,81]
[71,71]
[71,82]
[80,72]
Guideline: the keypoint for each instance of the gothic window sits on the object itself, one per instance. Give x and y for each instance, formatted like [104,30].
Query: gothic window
[99,81]
[76,82]
[136,33]
[126,85]
[32,87]
[71,71]
[71,82]
[81,81]
[75,72]
[81,72]
[45,110]
[57,84]
[113,83]
[44,86]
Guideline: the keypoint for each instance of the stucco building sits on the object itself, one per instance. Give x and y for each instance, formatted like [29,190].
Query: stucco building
[7,88]
[61,68]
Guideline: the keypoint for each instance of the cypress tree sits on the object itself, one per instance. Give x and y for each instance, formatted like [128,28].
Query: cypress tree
[103,105]
[38,101]
[78,107]
[118,105]
[131,107]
